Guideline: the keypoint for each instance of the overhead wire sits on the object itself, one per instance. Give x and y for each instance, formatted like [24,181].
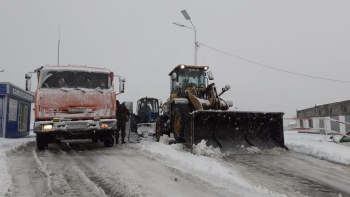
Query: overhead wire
[270,67]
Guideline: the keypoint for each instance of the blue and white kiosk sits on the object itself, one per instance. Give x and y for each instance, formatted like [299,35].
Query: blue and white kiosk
[15,110]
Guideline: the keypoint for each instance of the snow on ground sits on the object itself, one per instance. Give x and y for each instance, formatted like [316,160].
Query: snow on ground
[319,146]
[7,145]
[202,162]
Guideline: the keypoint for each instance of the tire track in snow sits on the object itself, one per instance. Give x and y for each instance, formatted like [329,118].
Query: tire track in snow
[295,174]
[111,184]
[27,179]
[64,177]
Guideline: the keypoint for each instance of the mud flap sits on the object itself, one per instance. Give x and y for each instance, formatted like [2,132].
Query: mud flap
[235,130]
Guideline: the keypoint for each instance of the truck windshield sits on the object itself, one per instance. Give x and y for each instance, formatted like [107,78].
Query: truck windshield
[191,77]
[74,79]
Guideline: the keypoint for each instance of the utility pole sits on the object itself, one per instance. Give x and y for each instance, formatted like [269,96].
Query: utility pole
[187,17]
[59,40]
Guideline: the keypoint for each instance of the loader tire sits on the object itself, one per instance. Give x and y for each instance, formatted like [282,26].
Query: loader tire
[179,117]
[160,128]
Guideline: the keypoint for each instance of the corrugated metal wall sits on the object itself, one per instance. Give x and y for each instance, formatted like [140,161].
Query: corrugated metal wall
[332,110]
[347,127]
[335,126]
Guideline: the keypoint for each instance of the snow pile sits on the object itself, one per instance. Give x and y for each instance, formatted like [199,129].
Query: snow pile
[202,149]
[6,146]
[318,146]
[164,139]
[214,171]
[146,129]
[5,178]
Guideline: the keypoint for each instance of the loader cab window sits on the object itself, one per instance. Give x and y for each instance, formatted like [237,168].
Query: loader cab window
[74,79]
[191,77]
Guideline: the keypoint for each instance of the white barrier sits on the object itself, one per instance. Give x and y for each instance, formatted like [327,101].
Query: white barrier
[316,127]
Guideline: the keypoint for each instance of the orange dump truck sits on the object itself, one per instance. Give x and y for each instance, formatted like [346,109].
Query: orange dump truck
[74,102]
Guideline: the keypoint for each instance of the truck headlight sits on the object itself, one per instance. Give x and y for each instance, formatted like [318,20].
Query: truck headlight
[47,127]
[104,125]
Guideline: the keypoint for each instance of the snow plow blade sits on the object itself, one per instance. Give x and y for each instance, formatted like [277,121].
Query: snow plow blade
[234,131]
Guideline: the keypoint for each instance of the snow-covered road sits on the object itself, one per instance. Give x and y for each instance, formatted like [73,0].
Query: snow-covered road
[294,173]
[82,168]
[88,169]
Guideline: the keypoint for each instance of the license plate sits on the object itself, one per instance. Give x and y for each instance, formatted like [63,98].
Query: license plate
[76,126]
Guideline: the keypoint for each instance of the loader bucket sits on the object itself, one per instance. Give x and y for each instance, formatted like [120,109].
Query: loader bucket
[234,131]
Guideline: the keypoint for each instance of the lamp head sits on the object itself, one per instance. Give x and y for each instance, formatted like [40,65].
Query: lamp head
[187,17]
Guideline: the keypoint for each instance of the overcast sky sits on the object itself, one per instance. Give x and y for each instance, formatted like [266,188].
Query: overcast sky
[137,39]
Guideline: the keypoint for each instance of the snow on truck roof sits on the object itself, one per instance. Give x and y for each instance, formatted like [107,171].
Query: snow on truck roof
[76,67]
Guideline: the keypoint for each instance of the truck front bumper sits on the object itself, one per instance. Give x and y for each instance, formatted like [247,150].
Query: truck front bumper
[74,126]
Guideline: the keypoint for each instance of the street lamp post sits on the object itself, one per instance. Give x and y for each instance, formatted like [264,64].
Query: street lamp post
[187,17]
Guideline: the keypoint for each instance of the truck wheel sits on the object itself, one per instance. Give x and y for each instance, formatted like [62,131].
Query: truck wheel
[108,140]
[179,117]
[41,142]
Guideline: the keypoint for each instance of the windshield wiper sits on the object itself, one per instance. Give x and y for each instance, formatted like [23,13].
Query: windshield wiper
[98,89]
[64,90]
[79,89]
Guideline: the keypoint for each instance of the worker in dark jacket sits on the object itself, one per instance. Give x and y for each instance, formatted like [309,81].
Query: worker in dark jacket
[122,117]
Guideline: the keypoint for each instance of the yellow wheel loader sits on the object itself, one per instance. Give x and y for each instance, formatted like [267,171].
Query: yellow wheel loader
[195,111]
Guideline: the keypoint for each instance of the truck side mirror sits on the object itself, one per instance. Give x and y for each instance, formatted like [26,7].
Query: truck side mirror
[28,77]
[121,87]
[121,84]
[122,79]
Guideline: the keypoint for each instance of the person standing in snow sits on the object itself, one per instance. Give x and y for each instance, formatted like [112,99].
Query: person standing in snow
[122,117]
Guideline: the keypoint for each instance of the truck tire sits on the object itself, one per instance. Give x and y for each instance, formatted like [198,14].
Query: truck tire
[41,141]
[108,139]
[179,118]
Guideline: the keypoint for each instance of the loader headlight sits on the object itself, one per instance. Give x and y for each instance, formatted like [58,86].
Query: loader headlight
[182,66]
[47,127]
[205,68]
[104,125]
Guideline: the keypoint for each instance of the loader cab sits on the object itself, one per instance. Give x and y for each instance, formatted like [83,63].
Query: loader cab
[188,76]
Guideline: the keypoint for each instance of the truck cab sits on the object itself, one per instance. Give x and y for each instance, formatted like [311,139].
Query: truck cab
[74,102]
